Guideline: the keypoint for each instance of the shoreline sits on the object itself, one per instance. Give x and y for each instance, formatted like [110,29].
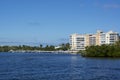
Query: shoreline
[38,51]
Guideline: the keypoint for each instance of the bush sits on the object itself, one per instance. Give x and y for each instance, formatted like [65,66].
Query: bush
[102,51]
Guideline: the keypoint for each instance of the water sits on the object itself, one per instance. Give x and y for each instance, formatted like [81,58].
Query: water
[50,66]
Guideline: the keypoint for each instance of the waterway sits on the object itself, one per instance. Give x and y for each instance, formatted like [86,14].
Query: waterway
[52,66]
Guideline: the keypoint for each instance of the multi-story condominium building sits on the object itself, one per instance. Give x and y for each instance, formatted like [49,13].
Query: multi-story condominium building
[111,37]
[90,39]
[79,42]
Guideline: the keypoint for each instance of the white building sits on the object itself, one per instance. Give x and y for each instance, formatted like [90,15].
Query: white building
[111,37]
[108,38]
[79,42]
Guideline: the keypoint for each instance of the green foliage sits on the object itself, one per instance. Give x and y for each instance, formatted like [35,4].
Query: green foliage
[49,48]
[25,47]
[103,50]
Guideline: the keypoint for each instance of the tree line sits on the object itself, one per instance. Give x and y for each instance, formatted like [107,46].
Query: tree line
[105,50]
[64,47]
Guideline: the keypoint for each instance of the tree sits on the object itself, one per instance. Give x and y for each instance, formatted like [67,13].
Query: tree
[103,50]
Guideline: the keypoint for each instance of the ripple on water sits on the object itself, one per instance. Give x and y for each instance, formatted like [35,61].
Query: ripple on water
[56,67]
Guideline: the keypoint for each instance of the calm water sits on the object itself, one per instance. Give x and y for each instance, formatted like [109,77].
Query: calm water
[47,66]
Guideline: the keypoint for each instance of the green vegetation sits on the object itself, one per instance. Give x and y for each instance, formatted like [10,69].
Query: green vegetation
[41,48]
[112,50]
[64,47]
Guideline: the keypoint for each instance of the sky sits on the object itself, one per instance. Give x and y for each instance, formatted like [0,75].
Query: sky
[53,21]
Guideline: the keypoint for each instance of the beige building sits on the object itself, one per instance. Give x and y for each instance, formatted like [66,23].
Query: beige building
[77,42]
[80,41]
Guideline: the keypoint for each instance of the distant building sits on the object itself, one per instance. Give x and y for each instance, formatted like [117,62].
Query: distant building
[57,47]
[80,41]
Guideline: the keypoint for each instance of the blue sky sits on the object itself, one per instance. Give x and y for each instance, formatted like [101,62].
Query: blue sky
[52,21]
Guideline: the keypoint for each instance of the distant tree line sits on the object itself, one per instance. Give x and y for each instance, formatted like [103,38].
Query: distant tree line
[105,50]
[64,46]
